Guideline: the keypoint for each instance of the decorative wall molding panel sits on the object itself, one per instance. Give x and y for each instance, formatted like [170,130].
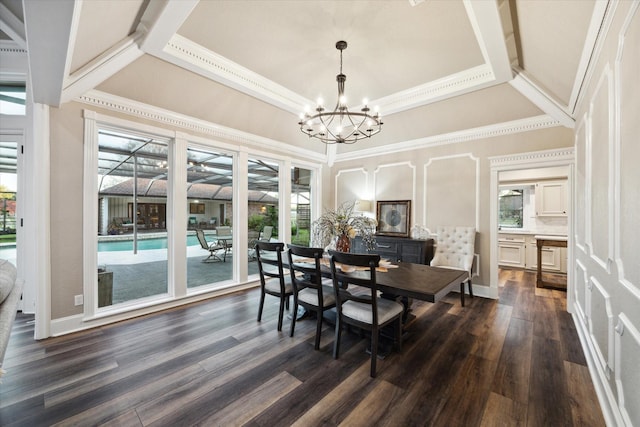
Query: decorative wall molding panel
[581,290]
[607,177]
[627,378]
[351,185]
[601,325]
[440,206]
[396,181]
[581,182]
[601,112]
[627,153]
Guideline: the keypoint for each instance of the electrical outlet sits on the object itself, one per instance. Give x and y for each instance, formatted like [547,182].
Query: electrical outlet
[78,299]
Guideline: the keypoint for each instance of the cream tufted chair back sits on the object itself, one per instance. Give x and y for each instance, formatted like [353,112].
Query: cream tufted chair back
[455,248]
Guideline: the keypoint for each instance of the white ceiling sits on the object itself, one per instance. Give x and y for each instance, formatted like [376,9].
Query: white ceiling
[436,57]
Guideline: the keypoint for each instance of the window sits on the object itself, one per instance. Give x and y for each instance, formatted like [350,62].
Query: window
[210,196]
[300,205]
[132,199]
[12,100]
[511,208]
[149,210]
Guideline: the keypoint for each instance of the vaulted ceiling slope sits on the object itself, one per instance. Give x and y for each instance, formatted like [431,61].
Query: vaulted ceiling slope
[433,67]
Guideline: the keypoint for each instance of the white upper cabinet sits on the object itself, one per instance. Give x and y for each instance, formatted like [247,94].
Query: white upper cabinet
[551,198]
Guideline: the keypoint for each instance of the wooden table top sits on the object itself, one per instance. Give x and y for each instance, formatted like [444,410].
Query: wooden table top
[420,281]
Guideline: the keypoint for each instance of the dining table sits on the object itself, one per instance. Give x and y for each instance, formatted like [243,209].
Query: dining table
[408,280]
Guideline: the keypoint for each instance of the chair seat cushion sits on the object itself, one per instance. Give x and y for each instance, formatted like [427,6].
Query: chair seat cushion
[362,312]
[310,296]
[273,286]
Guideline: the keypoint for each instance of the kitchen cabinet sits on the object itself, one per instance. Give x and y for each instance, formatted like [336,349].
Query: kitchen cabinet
[551,198]
[520,251]
[511,250]
[554,259]
[398,249]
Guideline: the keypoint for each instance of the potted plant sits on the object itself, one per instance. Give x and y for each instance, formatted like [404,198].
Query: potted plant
[337,228]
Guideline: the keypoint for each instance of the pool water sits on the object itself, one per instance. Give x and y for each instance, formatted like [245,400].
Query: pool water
[143,244]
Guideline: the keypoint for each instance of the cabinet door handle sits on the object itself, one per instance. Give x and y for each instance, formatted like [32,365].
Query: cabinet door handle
[384,246]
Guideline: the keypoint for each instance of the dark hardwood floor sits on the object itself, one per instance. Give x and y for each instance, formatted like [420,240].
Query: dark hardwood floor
[512,362]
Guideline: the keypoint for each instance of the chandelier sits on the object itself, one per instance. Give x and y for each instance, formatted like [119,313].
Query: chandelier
[340,126]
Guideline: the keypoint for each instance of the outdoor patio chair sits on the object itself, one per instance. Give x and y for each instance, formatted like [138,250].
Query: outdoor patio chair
[193,222]
[213,248]
[266,234]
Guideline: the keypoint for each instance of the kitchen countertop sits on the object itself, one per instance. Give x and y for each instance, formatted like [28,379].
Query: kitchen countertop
[533,233]
[550,237]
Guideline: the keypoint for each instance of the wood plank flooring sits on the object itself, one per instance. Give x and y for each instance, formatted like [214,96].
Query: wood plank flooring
[512,362]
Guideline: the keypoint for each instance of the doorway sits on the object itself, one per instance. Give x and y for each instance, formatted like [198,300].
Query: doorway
[509,246]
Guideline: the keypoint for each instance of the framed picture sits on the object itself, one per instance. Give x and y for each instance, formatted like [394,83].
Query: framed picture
[196,208]
[394,218]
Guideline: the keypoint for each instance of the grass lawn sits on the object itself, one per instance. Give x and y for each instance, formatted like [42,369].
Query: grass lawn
[7,238]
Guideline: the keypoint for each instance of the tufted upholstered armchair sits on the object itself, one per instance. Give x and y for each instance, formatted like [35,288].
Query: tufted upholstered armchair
[455,250]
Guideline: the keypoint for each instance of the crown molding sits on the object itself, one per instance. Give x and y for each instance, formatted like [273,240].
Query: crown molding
[8,47]
[540,98]
[452,85]
[194,57]
[102,67]
[185,53]
[483,132]
[159,115]
[562,155]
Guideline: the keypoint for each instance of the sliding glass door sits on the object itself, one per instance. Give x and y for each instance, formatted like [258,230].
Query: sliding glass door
[210,217]
[132,200]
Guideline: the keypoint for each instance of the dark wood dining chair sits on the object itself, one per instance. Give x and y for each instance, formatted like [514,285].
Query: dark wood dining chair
[310,289]
[273,280]
[366,311]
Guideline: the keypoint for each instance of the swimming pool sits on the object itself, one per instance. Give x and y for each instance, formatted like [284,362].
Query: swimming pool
[143,244]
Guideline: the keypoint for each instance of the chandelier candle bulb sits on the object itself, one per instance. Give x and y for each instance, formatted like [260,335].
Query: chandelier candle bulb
[348,123]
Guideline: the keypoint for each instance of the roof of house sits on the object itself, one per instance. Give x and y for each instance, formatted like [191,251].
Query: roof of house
[158,188]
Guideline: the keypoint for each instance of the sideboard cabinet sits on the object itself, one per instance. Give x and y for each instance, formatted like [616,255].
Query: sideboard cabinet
[398,249]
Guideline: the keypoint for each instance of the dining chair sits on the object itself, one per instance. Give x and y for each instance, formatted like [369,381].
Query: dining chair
[273,280]
[310,289]
[366,311]
[455,250]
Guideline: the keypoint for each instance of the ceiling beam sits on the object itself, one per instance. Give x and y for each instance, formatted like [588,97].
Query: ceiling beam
[541,99]
[49,29]
[487,26]
[161,20]
[12,26]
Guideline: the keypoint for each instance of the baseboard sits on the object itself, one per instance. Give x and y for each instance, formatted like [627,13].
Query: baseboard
[78,322]
[606,398]
[484,291]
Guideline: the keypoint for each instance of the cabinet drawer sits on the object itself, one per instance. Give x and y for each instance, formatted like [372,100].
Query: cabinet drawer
[511,254]
[389,247]
[511,238]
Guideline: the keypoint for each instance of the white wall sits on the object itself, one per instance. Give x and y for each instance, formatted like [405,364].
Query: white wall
[607,236]
[447,184]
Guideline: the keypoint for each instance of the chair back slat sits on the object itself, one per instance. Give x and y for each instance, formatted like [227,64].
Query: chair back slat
[310,274]
[202,239]
[269,256]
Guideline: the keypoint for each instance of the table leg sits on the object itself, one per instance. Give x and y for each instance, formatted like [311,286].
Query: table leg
[539,269]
